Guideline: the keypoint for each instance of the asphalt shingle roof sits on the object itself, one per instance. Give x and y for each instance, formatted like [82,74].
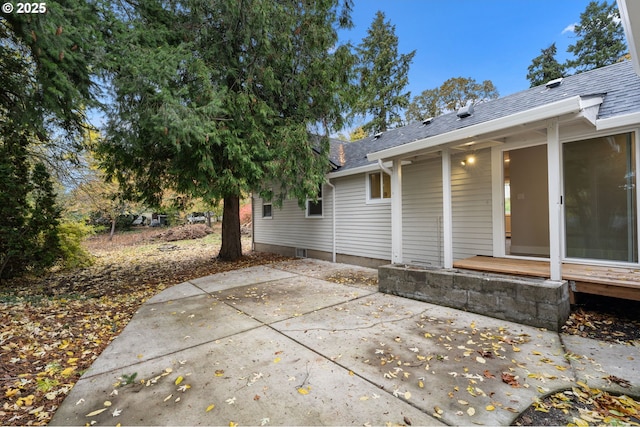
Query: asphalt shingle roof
[619,84]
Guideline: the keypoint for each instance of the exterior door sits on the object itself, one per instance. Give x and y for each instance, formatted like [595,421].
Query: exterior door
[600,199]
[527,202]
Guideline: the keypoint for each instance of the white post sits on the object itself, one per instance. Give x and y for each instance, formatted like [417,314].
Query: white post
[396,212]
[447,216]
[554,159]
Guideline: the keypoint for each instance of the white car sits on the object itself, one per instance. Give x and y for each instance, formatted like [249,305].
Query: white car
[196,217]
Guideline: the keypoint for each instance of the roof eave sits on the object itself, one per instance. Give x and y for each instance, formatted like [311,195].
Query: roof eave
[570,105]
[629,8]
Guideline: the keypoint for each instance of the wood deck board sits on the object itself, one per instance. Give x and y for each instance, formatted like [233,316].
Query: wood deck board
[620,282]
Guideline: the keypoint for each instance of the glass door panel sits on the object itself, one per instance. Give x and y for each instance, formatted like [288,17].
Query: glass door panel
[600,199]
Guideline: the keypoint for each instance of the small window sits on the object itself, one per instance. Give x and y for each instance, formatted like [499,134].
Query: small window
[379,186]
[314,208]
[267,210]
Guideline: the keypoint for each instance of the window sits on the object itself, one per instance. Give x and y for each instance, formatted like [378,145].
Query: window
[267,210]
[314,209]
[379,185]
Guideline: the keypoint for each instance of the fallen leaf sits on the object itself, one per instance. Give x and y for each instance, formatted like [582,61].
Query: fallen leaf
[471,411]
[210,407]
[179,380]
[97,412]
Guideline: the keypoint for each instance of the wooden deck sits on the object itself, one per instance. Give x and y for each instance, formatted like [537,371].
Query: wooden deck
[618,282]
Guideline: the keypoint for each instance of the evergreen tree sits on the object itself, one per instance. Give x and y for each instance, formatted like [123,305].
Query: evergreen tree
[600,38]
[216,99]
[46,64]
[382,75]
[30,215]
[545,67]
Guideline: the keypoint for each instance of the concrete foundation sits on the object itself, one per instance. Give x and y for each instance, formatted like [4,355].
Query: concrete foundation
[321,255]
[530,301]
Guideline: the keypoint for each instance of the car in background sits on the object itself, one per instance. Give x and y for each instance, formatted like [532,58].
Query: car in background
[196,217]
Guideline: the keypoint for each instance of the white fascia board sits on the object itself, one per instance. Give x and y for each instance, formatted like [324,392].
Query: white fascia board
[629,8]
[543,112]
[632,119]
[354,171]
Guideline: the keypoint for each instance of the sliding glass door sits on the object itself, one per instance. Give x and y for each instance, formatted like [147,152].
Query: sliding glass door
[600,199]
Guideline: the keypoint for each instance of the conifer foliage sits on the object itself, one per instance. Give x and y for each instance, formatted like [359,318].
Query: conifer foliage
[217,99]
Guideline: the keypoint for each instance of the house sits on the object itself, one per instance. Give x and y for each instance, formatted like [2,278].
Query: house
[538,183]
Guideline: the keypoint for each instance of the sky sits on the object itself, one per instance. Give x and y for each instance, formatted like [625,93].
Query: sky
[480,39]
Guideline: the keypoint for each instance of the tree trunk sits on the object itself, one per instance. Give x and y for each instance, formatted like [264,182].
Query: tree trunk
[231,248]
[113,228]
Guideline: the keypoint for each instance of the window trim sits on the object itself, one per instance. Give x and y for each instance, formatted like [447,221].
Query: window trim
[382,199]
[319,200]
[271,210]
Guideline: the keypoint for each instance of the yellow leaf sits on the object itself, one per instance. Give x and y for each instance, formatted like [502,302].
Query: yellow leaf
[537,353]
[219,372]
[580,422]
[490,408]
[516,349]
[107,403]
[420,384]
[179,380]
[407,395]
[303,391]
[25,401]
[463,402]
[276,360]
[471,412]
[72,361]
[210,407]
[94,413]
[438,410]
[480,360]
[351,373]
[561,368]
[232,424]
[68,371]
[11,392]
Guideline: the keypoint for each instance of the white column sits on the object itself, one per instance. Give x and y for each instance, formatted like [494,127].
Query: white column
[447,216]
[554,165]
[396,212]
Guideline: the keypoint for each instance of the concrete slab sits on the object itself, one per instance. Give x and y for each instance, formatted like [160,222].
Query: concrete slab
[278,382]
[443,361]
[163,328]
[275,347]
[241,277]
[280,299]
[604,365]
[176,292]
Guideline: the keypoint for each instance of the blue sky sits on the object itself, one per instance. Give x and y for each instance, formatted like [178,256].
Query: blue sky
[482,39]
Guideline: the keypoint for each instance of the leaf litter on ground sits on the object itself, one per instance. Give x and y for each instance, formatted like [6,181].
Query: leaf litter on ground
[53,327]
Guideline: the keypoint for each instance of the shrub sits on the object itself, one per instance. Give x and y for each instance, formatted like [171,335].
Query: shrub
[71,234]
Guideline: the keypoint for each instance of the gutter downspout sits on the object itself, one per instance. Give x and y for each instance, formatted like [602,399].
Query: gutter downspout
[253,224]
[333,219]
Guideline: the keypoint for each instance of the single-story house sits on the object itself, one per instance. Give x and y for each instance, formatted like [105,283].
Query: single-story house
[538,183]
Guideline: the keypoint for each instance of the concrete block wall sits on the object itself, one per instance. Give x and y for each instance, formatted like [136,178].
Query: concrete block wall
[530,301]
